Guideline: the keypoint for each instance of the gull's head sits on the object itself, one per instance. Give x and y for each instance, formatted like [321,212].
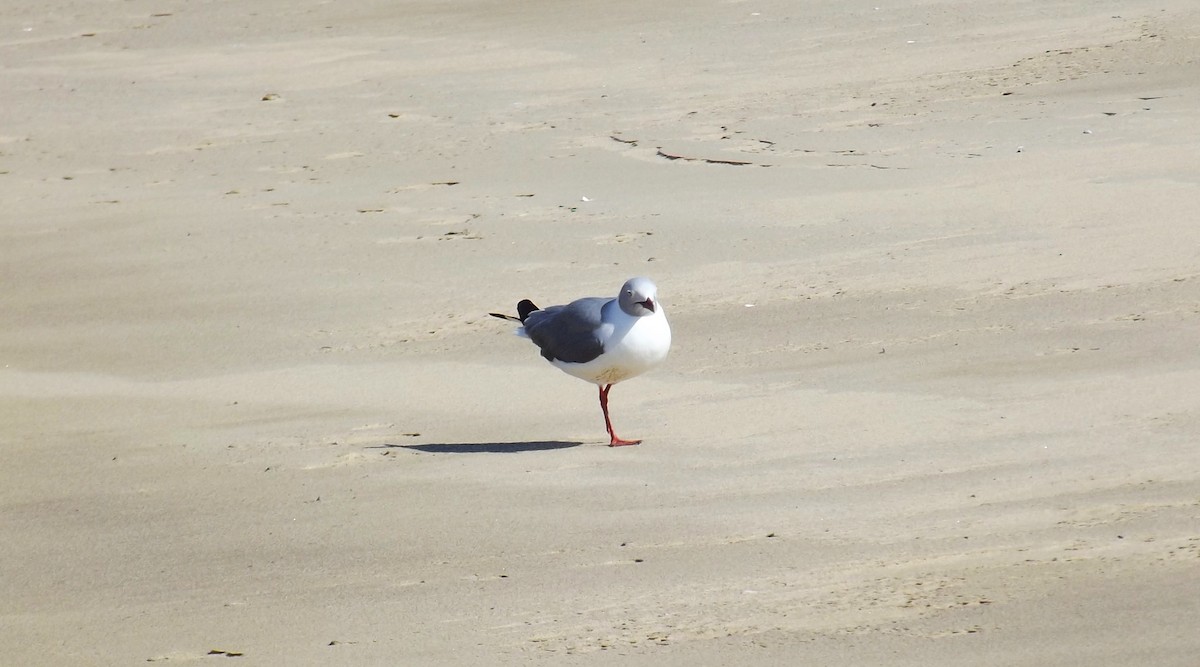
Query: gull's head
[638,297]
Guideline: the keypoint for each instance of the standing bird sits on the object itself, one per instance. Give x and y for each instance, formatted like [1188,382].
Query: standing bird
[601,340]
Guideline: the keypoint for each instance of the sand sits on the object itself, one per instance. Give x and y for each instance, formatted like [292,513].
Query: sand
[931,269]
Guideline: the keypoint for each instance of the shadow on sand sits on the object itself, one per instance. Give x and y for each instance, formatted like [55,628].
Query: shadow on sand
[484,447]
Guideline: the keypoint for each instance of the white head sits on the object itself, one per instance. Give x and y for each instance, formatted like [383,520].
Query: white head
[638,297]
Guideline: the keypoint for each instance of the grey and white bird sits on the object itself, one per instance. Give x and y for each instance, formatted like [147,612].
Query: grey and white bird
[600,340]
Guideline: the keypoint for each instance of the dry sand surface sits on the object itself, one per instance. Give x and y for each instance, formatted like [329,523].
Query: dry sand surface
[933,269]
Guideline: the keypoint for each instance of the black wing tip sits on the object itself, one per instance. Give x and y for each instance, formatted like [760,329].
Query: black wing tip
[525,307]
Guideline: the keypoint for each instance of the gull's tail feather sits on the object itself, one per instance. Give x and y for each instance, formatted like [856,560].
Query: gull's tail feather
[510,318]
[523,309]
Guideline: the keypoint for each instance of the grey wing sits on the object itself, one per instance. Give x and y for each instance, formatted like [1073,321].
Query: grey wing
[571,333]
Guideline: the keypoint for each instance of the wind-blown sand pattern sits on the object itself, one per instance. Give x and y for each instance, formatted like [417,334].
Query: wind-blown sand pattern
[931,267]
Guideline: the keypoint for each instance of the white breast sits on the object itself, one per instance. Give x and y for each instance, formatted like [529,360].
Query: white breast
[637,344]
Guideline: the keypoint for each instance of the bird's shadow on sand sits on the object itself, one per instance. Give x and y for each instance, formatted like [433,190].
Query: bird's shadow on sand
[484,447]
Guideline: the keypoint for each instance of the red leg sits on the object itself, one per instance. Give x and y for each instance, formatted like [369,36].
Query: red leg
[615,441]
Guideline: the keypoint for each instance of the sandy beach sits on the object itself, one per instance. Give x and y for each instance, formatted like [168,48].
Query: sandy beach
[932,270]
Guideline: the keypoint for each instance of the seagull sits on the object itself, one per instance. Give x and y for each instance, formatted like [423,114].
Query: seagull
[601,340]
